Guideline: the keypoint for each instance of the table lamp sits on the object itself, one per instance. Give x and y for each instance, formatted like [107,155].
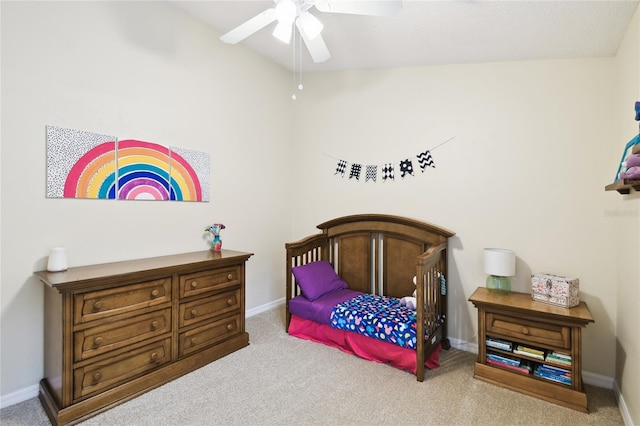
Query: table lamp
[500,264]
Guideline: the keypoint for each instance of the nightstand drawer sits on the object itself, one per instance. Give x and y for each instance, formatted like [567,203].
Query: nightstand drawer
[128,298]
[208,307]
[209,281]
[113,370]
[117,334]
[198,338]
[528,331]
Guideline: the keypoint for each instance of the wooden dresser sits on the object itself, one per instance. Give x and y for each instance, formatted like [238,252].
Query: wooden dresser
[114,331]
[532,331]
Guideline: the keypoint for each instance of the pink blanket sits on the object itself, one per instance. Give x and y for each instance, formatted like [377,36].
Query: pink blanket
[362,346]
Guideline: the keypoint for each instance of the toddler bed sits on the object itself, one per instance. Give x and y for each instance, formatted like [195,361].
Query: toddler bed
[344,288]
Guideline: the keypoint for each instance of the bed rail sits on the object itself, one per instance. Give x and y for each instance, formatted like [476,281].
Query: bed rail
[301,252]
[431,303]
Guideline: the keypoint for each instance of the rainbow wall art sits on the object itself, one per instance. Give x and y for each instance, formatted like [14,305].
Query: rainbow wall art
[88,165]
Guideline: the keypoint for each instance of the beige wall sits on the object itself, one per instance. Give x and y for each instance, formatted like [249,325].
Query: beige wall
[628,228]
[142,70]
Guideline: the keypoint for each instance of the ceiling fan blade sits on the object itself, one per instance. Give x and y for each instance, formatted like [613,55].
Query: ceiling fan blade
[360,7]
[254,24]
[316,47]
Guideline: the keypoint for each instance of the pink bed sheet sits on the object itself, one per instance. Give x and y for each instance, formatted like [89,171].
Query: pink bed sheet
[362,346]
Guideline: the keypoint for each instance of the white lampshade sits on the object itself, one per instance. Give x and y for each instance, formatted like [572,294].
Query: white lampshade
[499,262]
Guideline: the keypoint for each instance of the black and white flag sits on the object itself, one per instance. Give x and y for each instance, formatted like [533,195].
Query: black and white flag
[406,167]
[355,171]
[425,159]
[387,172]
[372,173]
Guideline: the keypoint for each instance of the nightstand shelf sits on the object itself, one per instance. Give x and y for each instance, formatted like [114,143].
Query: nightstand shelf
[524,326]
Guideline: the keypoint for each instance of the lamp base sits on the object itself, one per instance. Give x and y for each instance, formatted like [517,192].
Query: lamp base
[495,282]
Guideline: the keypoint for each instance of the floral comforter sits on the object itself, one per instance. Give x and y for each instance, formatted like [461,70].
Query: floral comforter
[380,317]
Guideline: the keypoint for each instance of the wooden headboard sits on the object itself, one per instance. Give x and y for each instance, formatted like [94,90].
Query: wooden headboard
[373,253]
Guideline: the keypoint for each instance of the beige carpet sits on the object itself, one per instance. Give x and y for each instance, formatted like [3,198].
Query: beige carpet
[282,380]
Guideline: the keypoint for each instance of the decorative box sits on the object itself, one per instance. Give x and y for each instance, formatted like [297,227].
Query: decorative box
[555,290]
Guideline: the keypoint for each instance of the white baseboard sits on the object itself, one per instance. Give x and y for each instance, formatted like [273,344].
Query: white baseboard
[19,396]
[263,308]
[598,380]
[622,405]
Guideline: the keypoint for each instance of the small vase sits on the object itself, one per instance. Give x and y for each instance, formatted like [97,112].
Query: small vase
[216,243]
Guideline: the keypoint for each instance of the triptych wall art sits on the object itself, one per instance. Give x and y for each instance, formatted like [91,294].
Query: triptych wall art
[83,164]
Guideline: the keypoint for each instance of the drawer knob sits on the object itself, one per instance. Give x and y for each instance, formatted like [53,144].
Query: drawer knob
[525,330]
[97,306]
[194,312]
[155,293]
[230,276]
[98,341]
[154,325]
[96,377]
[193,341]
[194,284]
[229,301]
[230,326]
[154,356]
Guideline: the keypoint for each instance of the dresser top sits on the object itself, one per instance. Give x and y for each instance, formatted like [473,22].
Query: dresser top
[524,303]
[82,276]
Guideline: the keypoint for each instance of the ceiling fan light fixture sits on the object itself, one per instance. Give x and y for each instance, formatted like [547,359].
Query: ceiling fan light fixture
[283,32]
[286,11]
[310,25]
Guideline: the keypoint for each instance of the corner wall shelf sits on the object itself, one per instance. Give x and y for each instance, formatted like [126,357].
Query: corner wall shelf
[623,186]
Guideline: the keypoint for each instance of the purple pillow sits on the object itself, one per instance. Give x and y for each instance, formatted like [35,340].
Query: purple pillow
[317,279]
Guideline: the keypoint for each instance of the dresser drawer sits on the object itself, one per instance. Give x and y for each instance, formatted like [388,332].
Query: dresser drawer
[198,338]
[209,307]
[203,282]
[117,334]
[528,331]
[107,303]
[111,371]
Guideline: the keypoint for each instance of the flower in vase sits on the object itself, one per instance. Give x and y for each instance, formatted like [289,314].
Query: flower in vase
[215,229]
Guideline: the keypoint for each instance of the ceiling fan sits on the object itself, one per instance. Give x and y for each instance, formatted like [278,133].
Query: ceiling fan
[296,12]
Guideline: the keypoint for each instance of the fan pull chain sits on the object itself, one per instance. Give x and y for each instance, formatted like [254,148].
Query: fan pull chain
[293,76]
[300,86]
[293,67]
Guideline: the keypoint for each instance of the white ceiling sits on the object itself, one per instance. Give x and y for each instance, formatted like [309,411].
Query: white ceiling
[429,32]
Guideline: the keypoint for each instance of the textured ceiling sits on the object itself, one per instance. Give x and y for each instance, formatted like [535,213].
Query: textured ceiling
[427,32]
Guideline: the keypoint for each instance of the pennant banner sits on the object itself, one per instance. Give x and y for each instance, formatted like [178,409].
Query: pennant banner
[425,159]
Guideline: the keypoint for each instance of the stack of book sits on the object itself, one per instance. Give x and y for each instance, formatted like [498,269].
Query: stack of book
[558,358]
[505,345]
[510,362]
[528,351]
[555,374]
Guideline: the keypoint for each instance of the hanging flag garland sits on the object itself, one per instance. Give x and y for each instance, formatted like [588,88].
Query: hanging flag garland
[425,159]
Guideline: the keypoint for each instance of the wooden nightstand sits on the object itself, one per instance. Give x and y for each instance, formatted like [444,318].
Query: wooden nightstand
[531,347]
